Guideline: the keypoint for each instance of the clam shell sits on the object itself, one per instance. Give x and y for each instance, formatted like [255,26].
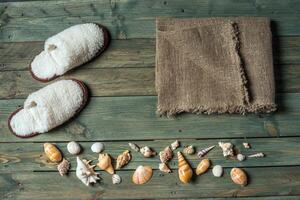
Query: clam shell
[142,175]
[97,147]
[63,167]
[116,179]
[189,150]
[134,147]
[123,159]
[203,166]
[185,172]
[147,152]
[217,170]
[105,163]
[166,155]
[239,176]
[175,145]
[73,148]
[240,157]
[52,152]
[164,168]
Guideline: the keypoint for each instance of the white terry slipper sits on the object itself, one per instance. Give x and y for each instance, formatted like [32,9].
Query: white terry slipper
[48,108]
[68,49]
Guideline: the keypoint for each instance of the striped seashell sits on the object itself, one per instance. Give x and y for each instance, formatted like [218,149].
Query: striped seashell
[202,152]
[185,172]
[142,175]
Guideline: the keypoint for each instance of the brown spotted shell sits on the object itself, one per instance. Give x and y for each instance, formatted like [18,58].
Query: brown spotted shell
[142,175]
[239,176]
[203,166]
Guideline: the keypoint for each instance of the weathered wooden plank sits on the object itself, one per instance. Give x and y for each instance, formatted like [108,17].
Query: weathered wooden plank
[121,81]
[134,118]
[269,181]
[127,53]
[29,156]
[28,21]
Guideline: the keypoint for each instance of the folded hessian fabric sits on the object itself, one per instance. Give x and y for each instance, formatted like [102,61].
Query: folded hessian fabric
[214,65]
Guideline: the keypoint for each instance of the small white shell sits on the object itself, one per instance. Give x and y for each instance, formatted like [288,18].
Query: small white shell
[246,145]
[257,155]
[147,152]
[97,147]
[240,157]
[217,170]
[116,179]
[73,148]
[175,145]
[134,147]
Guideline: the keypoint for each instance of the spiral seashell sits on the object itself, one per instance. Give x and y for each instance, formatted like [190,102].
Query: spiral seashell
[123,159]
[52,152]
[239,176]
[185,172]
[97,147]
[85,172]
[203,166]
[257,155]
[189,150]
[73,148]
[226,148]
[166,155]
[147,152]
[116,179]
[142,175]
[134,147]
[63,167]
[105,163]
[203,152]
[164,168]
[175,145]
[240,157]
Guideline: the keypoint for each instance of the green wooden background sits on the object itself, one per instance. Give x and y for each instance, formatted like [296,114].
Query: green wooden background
[123,103]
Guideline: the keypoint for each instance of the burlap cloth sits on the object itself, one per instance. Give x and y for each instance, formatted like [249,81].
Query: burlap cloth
[214,65]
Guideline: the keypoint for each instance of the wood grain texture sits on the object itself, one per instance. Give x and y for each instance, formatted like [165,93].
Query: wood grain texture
[134,118]
[263,182]
[30,157]
[31,21]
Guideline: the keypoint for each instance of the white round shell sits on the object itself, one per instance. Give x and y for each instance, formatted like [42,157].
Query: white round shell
[73,148]
[240,157]
[217,170]
[97,147]
[116,179]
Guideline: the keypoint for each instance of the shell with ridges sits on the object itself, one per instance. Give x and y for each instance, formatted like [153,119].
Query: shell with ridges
[175,145]
[73,148]
[239,176]
[189,150]
[97,147]
[164,168]
[52,152]
[227,148]
[166,155]
[147,152]
[142,175]
[257,155]
[116,179]
[104,163]
[134,147]
[85,172]
[203,166]
[123,159]
[185,172]
[63,167]
[203,152]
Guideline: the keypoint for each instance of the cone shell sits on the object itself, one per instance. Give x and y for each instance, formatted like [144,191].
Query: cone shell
[142,175]
[238,176]
[123,159]
[203,152]
[203,166]
[105,163]
[185,172]
[52,152]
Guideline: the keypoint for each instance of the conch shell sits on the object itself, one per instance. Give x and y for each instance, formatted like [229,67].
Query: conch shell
[238,176]
[164,168]
[147,152]
[203,152]
[85,172]
[189,150]
[185,172]
[63,167]
[105,163]
[203,166]
[175,145]
[142,175]
[52,152]
[227,149]
[123,159]
[166,154]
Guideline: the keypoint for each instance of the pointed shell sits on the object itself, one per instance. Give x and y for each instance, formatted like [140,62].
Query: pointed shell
[134,147]
[217,170]
[73,148]
[164,168]
[147,152]
[123,159]
[85,172]
[203,152]
[203,166]
[175,145]
[185,172]
[239,176]
[257,155]
[105,163]
[63,167]
[52,152]
[116,179]
[189,150]
[142,175]
[166,155]
[97,147]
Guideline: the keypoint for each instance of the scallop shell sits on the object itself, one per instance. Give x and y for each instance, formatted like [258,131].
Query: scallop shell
[185,172]
[147,152]
[175,145]
[105,163]
[203,166]
[85,172]
[166,155]
[123,159]
[240,157]
[142,175]
[239,176]
[134,147]
[257,155]
[116,179]
[73,148]
[97,147]
[189,150]
[227,148]
[164,168]
[63,167]
[203,152]
[217,170]
[52,152]
[246,145]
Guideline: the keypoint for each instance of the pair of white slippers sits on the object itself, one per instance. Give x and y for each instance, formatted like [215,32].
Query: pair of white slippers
[58,102]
